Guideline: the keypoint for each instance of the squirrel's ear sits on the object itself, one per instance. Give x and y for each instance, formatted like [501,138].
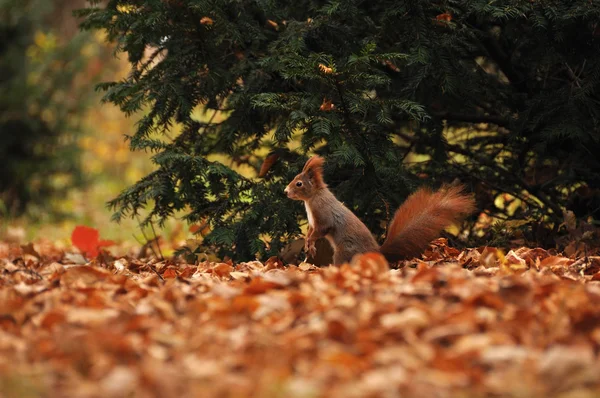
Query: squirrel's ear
[314,170]
[313,163]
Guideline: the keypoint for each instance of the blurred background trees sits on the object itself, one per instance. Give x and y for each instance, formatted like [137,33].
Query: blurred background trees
[63,154]
[42,98]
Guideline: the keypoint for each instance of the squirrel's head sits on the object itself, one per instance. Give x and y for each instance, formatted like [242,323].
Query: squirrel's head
[307,183]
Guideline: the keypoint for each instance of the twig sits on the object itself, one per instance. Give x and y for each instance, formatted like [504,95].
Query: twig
[387,206]
[148,242]
[572,75]
[345,110]
[497,188]
[470,118]
[156,272]
[157,241]
[31,272]
[510,176]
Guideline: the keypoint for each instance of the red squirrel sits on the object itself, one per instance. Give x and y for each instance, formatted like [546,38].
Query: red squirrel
[417,222]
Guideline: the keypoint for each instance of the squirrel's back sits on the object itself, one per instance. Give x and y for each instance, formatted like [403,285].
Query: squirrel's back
[347,234]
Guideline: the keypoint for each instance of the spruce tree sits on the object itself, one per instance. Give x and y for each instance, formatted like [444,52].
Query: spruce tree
[395,94]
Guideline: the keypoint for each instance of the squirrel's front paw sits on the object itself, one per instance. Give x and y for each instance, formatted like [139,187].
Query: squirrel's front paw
[311,249]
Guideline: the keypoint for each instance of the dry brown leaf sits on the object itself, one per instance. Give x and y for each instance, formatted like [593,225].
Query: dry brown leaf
[476,322]
[29,249]
[327,105]
[245,303]
[84,275]
[273,24]
[444,17]
[325,69]
[207,21]
[267,164]
[169,273]
[259,285]
[222,269]
[410,318]
[91,317]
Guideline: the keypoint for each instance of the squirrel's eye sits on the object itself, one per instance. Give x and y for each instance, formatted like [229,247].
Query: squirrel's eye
[299,184]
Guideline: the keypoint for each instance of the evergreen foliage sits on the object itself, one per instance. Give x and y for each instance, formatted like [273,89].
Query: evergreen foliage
[501,95]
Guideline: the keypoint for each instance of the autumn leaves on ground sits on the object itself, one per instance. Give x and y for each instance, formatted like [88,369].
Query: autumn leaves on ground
[453,324]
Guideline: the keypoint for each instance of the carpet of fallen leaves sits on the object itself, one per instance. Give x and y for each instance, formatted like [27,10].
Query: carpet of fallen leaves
[454,324]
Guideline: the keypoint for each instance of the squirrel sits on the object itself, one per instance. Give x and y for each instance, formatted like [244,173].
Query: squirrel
[417,221]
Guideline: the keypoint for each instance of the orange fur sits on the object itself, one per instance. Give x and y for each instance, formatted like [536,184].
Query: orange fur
[416,223]
[422,217]
[314,169]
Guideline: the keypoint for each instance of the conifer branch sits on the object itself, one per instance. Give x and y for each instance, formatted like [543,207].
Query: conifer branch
[473,118]
[344,106]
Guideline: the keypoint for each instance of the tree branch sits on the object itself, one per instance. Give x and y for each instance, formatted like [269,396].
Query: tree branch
[556,210]
[345,109]
[472,118]
[510,176]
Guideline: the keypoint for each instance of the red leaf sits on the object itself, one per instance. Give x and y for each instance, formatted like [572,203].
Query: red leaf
[169,273]
[87,240]
[444,17]
[105,243]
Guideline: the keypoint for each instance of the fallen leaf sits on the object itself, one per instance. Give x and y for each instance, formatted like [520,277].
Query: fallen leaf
[84,275]
[259,286]
[169,273]
[29,249]
[410,318]
[88,240]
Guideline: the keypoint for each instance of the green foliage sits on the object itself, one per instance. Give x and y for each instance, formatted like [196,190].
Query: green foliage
[492,92]
[39,105]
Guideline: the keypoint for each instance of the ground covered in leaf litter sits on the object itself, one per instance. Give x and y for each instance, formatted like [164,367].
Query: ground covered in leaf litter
[472,323]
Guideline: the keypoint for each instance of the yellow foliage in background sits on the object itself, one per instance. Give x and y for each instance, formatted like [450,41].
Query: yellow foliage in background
[106,160]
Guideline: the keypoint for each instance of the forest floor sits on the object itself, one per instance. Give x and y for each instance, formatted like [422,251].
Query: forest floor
[453,324]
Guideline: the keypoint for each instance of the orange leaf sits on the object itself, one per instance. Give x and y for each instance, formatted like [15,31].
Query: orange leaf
[327,105]
[444,17]
[52,318]
[200,229]
[259,286]
[169,273]
[222,269]
[325,69]
[187,272]
[87,240]
[245,303]
[267,164]
[105,243]
[206,21]
[392,66]
[84,274]
[273,262]
[370,264]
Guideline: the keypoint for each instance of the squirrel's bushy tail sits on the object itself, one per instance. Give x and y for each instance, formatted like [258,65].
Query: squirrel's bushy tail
[422,217]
